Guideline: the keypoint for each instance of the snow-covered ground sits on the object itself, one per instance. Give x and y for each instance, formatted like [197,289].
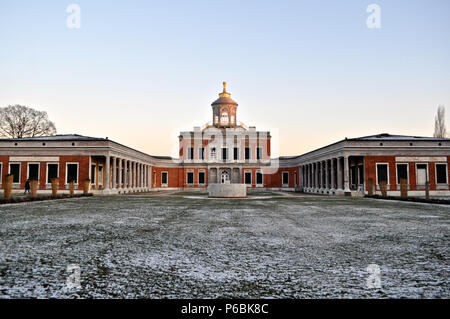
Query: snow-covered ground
[187,246]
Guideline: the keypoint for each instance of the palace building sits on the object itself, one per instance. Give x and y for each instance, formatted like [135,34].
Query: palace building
[228,151]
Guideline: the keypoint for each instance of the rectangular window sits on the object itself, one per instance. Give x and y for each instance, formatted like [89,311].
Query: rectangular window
[382,173]
[164,178]
[190,153]
[1,173]
[224,153]
[247,153]
[441,173]
[201,177]
[248,178]
[72,173]
[100,174]
[201,153]
[402,172]
[259,178]
[33,172]
[235,153]
[190,178]
[52,172]
[14,168]
[422,174]
[285,178]
[93,174]
[259,153]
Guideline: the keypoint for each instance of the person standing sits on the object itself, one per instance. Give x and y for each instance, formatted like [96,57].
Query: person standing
[27,186]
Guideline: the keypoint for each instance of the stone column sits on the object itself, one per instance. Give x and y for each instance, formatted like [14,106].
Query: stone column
[339,173]
[327,185]
[316,173]
[125,183]
[133,175]
[138,175]
[320,174]
[114,172]
[107,172]
[309,175]
[119,178]
[129,177]
[346,175]
[333,179]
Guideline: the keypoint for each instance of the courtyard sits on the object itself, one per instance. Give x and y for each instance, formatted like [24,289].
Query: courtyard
[184,245]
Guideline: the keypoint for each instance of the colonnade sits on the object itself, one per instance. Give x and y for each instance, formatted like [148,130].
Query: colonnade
[126,175]
[325,176]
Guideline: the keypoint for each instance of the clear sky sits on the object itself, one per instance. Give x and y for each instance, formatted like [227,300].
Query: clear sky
[141,71]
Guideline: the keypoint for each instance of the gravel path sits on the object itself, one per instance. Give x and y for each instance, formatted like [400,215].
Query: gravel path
[179,246]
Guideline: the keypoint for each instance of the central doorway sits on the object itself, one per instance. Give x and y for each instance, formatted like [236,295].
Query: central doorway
[225,178]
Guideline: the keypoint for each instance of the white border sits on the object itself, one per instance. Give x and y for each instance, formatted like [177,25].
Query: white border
[193,178]
[78,172]
[46,171]
[435,173]
[20,170]
[376,173]
[396,172]
[256,178]
[283,184]
[39,169]
[427,176]
[251,177]
[167,178]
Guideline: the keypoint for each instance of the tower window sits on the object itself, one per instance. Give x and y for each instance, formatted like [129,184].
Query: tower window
[224,119]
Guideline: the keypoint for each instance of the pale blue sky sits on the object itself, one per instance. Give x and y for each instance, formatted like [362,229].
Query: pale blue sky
[140,71]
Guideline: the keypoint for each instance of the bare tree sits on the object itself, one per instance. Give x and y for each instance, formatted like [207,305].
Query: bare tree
[17,121]
[439,123]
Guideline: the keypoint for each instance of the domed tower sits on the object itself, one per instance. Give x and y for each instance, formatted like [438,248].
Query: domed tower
[224,109]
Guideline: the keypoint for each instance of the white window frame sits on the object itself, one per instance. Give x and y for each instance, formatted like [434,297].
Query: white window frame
[78,172]
[193,177]
[90,173]
[100,180]
[376,173]
[435,173]
[224,118]
[39,169]
[427,176]
[46,170]
[249,153]
[256,178]
[282,179]
[396,172]
[20,170]
[1,173]
[221,154]
[190,150]
[204,177]
[200,157]
[167,179]
[238,153]
[212,156]
[261,153]
[251,177]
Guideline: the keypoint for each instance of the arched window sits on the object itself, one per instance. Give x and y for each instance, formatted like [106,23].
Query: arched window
[232,119]
[216,119]
[224,119]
